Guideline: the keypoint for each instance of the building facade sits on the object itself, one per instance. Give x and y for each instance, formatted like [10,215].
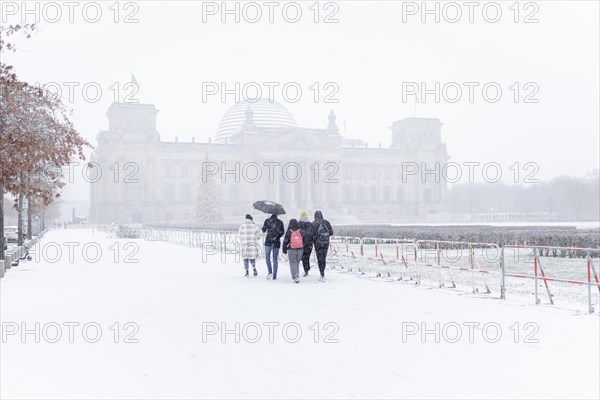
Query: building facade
[260,152]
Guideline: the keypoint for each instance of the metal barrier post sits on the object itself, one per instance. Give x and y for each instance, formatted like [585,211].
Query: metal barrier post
[472,262]
[535,274]
[502,285]
[437,255]
[594,271]
[417,270]
[589,285]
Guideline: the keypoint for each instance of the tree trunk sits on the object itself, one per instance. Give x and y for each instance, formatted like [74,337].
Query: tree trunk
[20,211]
[29,225]
[20,220]
[29,218]
[41,221]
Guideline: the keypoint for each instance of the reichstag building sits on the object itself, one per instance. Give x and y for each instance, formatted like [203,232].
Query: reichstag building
[260,152]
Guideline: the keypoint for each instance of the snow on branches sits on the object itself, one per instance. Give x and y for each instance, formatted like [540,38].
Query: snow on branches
[37,137]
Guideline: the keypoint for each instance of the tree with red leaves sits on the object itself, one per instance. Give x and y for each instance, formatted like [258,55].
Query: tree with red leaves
[37,139]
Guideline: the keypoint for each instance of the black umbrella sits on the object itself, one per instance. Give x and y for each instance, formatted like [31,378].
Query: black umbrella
[269,207]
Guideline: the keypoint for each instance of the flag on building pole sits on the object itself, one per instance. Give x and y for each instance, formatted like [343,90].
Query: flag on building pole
[134,81]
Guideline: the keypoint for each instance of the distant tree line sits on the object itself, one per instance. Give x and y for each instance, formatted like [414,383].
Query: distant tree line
[565,198]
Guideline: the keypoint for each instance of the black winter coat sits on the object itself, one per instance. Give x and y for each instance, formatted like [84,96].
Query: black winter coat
[309,237]
[316,223]
[273,235]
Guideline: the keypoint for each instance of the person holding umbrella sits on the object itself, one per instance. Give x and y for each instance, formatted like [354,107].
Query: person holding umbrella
[273,227]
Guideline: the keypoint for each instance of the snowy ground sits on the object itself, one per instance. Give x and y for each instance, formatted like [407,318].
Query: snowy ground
[366,345]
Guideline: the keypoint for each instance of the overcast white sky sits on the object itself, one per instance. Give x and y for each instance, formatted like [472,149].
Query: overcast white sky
[368,54]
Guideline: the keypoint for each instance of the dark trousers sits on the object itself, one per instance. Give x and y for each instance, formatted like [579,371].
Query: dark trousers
[306,257]
[321,250]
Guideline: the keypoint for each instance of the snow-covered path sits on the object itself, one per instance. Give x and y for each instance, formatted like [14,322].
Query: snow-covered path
[173,297]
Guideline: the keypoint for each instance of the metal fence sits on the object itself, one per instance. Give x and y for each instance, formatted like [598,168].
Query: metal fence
[482,268]
[568,275]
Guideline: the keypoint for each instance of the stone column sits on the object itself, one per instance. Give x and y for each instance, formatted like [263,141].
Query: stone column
[242,189]
[276,179]
[291,188]
[322,186]
[312,187]
[267,188]
[316,186]
[260,190]
[337,189]
[308,186]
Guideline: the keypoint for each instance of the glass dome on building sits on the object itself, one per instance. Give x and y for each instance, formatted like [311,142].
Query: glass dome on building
[265,114]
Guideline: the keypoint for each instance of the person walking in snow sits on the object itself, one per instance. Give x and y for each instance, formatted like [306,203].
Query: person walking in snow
[274,229]
[307,227]
[322,233]
[249,236]
[293,247]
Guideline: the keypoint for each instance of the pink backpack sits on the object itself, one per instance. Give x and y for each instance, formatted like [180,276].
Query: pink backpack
[296,240]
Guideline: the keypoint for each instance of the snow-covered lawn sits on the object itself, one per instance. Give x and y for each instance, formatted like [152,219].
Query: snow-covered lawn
[347,337]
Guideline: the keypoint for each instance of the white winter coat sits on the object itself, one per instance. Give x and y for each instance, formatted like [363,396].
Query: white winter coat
[250,239]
